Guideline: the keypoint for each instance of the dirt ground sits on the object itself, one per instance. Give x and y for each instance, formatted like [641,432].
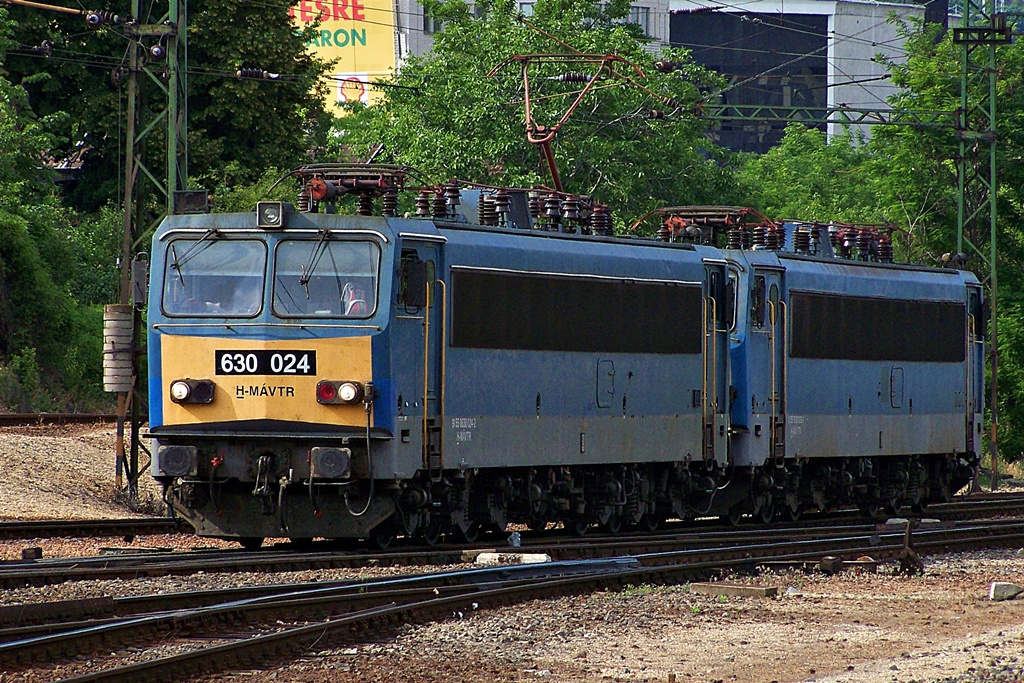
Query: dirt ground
[63,473]
[854,628]
[849,628]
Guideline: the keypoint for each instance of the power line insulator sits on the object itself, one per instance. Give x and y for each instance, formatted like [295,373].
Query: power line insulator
[570,78]
[257,73]
[44,48]
[665,66]
[98,18]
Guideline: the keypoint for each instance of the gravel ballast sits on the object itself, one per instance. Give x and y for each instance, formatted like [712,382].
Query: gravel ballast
[852,628]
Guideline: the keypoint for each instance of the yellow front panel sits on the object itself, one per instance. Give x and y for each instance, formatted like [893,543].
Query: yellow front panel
[263,397]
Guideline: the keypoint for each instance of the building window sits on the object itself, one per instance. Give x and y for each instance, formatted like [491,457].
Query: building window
[526,9]
[431,25]
[641,16]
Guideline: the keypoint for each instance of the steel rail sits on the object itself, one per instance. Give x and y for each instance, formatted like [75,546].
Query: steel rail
[42,419]
[296,602]
[294,640]
[85,528]
[15,574]
[962,508]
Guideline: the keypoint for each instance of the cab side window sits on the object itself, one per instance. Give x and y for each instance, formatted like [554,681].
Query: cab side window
[757,302]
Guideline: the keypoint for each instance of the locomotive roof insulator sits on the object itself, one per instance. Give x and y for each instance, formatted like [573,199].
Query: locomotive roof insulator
[734,238]
[364,204]
[536,205]
[864,243]
[552,207]
[452,197]
[423,203]
[486,212]
[502,205]
[390,202]
[601,220]
[802,241]
[885,254]
[571,209]
[760,236]
[439,205]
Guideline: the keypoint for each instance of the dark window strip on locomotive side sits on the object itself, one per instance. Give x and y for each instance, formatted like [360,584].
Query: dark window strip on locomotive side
[535,312]
[836,327]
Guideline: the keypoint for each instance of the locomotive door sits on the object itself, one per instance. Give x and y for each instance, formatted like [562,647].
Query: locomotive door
[715,396]
[418,341]
[769,340]
[975,368]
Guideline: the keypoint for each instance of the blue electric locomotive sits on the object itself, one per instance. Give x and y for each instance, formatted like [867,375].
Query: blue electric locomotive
[498,357]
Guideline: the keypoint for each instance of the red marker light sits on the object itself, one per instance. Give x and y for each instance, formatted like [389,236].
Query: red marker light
[326,392]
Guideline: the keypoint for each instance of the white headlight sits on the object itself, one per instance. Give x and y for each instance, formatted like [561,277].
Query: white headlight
[348,392]
[180,390]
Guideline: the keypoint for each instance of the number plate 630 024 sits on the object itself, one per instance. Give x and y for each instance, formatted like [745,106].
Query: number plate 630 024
[263,362]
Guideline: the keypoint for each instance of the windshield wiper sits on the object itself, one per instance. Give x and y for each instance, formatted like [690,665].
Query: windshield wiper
[192,251]
[314,258]
[175,266]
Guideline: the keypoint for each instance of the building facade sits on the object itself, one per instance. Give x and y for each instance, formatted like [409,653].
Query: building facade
[802,53]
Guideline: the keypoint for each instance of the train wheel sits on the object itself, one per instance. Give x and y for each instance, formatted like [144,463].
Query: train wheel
[537,523]
[432,532]
[734,517]
[578,526]
[650,522]
[469,534]
[614,524]
[767,513]
[382,537]
[793,514]
[920,507]
[251,542]
[872,510]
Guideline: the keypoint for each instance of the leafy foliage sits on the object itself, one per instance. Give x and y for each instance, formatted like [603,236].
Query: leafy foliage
[243,125]
[445,116]
[49,347]
[808,175]
[907,176]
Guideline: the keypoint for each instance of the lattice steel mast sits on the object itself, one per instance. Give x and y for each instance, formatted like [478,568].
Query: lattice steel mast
[156,77]
[981,31]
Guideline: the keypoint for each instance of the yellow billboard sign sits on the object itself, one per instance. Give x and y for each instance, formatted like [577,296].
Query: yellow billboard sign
[358,36]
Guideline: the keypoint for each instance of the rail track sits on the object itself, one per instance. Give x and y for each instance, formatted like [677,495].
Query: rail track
[270,622]
[44,419]
[964,507]
[89,528]
[136,563]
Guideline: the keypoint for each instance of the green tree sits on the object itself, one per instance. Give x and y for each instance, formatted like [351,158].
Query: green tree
[44,337]
[930,79]
[810,176]
[907,176]
[443,115]
[241,125]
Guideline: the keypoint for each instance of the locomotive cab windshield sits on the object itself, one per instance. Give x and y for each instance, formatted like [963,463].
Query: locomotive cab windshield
[214,277]
[325,278]
[219,275]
